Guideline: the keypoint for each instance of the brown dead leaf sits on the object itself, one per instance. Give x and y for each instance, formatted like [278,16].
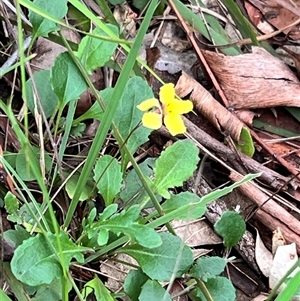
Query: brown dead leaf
[203,101]
[279,15]
[116,271]
[47,51]
[197,233]
[246,116]
[255,80]
[254,14]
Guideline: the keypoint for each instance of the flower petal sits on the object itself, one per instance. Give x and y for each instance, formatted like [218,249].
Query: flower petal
[167,94]
[148,104]
[179,107]
[174,124]
[152,120]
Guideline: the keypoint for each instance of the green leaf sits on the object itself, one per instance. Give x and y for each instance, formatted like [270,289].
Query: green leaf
[231,226]
[175,165]
[23,168]
[78,129]
[208,198]
[95,111]
[17,236]
[50,292]
[152,290]
[291,289]
[248,146]
[213,33]
[208,267]
[133,283]
[87,191]
[55,8]
[125,222]
[94,52]
[35,262]
[46,94]
[66,79]
[182,199]
[133,185]
[108,177]
[127,116]
[3,296]
[96,287]
[11,203]
[140,4]
[220,288]
[108,212]
[160,263]
[115,2]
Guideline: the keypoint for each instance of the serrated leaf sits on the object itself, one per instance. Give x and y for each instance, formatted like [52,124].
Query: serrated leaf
[94,52]
[231,226]
[125,222]
[247,146]
[46,94]
[220,288]
[175,165]
[182,199]
[108,177]
[152,290]
[208,267]
[96,287]
[66,79]
[161,263]
[35,262]
[55,8]
[133,283]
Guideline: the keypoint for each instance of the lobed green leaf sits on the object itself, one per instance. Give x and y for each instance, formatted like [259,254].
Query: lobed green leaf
[231,226]
[172,257]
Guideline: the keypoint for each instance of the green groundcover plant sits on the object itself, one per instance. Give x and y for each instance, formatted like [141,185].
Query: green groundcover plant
[48,247]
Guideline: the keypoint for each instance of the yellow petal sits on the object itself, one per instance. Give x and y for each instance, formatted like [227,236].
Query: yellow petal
[167,94]
[148,104]
[152,120]
[179,107]
[174,124]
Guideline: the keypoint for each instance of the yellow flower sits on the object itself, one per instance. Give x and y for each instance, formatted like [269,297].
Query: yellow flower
[168,109]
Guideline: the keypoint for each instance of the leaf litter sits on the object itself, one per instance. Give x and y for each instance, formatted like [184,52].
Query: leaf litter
[250,81]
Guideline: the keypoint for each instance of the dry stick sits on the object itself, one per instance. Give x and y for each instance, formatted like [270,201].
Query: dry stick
[266,213]
[280,159]
[270,177]
[249,41]
[199,53]
[270,207]
[220,91]
[273,223]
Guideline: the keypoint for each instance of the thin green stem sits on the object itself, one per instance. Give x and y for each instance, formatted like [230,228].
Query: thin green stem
[204,290]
